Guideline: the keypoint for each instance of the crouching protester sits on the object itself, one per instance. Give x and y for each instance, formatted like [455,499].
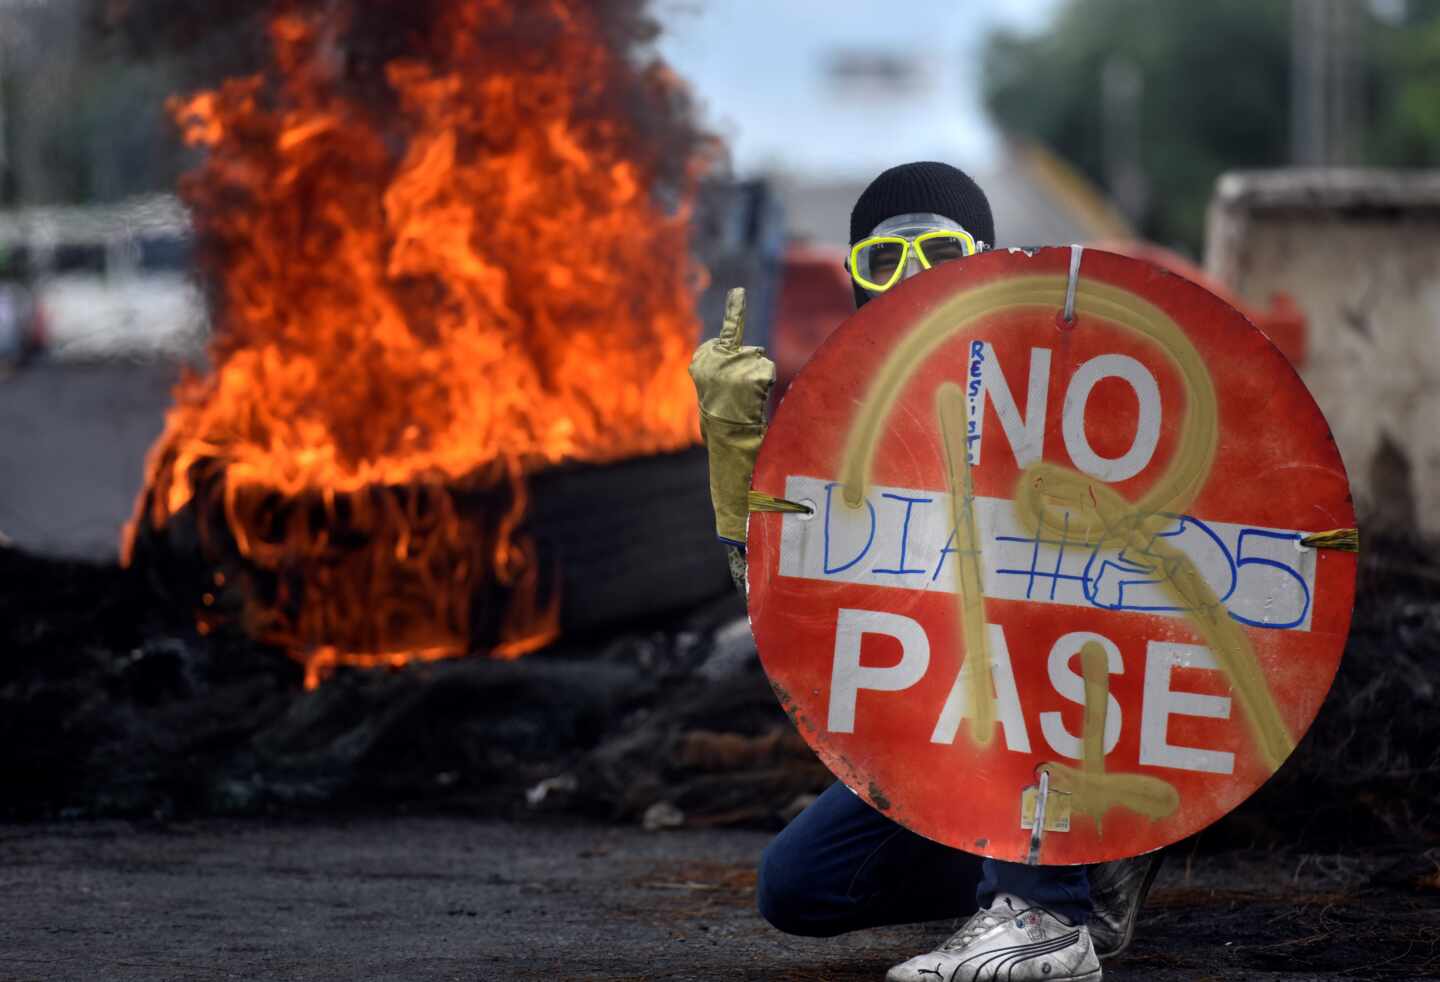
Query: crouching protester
[841,865]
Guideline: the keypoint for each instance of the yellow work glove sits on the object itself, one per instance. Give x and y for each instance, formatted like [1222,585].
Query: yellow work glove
[732,383]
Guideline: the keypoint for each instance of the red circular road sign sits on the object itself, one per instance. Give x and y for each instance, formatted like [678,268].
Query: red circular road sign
[1050,555]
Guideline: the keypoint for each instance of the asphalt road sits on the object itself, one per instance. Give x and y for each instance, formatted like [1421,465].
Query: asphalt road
[450,898]
[73,439]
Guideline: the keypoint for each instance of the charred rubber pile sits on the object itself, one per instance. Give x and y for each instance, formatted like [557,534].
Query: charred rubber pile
[112,704]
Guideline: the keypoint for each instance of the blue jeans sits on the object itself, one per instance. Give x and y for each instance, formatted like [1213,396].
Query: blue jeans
[841,866]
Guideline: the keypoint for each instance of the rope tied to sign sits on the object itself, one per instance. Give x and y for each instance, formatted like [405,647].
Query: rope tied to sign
[760,501]
[1341,540]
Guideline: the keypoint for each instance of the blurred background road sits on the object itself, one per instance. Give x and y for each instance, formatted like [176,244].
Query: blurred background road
[73,450]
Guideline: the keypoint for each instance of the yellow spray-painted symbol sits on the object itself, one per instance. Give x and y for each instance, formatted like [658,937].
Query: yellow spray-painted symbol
[1097,514]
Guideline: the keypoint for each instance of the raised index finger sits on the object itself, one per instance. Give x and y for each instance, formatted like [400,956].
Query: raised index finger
[732,331]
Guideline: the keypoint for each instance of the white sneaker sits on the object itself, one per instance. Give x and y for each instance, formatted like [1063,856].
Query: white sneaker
[1011,942]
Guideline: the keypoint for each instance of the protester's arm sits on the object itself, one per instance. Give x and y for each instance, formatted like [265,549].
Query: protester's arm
[732,382]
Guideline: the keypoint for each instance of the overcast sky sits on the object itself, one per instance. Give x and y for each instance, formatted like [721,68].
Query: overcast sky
[764,72]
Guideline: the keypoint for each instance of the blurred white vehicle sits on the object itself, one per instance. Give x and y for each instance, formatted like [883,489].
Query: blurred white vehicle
[112,280]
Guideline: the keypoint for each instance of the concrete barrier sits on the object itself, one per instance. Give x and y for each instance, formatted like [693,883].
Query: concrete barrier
[1359,250]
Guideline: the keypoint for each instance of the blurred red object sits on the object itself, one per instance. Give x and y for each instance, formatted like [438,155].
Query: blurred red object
[815,298]
[39,328]
[1283,322]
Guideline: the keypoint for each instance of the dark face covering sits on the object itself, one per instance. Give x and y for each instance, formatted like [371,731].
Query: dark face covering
[925,186]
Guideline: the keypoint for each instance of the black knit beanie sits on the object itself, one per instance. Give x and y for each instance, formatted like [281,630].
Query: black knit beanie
[918,188]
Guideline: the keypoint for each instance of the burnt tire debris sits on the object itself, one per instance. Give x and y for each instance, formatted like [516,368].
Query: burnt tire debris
[111,704]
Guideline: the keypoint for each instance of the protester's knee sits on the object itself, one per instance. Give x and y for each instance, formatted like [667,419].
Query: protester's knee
[783,897]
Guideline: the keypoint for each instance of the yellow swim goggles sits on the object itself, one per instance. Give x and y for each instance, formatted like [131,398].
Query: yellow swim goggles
[902,246]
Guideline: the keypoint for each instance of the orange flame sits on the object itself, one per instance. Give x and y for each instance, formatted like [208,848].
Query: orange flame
[417,304]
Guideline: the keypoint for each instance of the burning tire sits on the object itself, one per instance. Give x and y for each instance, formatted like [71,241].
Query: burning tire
[629,540]
[443,266]
[602,545]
